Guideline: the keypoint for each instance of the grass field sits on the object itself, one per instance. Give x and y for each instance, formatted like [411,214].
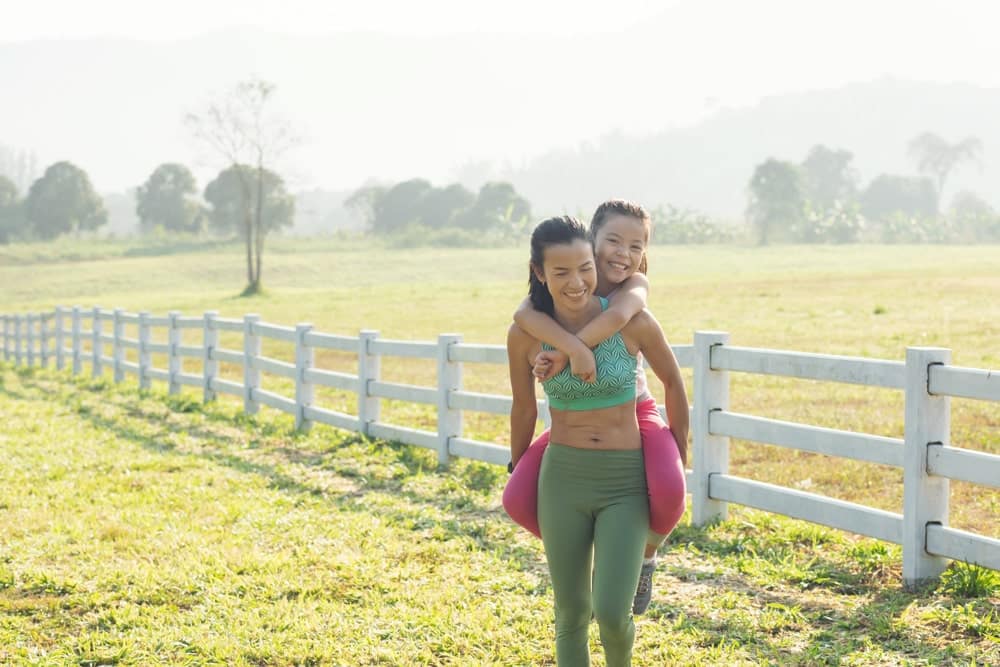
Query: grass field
[148,529]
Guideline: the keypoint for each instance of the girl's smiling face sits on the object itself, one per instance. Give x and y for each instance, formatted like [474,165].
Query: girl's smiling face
[619,246]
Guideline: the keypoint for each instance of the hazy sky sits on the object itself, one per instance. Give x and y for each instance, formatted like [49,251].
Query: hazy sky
[676,60]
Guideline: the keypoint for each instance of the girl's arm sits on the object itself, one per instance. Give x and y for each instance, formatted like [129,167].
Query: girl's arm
[542,327]
[661,359]
[626,303]
[524,411]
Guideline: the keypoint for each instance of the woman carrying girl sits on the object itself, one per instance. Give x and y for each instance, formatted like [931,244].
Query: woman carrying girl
[620,233]
[592,508]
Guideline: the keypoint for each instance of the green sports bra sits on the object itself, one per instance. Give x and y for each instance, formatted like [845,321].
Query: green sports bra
[615,378]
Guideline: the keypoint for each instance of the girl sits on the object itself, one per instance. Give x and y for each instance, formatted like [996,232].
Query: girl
[620,233]
[593,511]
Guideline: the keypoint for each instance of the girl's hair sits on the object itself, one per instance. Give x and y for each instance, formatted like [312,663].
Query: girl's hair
[626,208]
[552,231]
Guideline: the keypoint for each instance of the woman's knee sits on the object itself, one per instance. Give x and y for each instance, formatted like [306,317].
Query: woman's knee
[572,614]
[614,621]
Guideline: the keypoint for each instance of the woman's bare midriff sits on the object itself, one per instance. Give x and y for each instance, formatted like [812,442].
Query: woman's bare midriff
[604,428]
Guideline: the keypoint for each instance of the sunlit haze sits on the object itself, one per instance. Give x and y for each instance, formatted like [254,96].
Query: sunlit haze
[392,90]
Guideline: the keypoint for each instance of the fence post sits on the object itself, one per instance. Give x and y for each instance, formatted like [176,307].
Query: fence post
[60,339]
[6,335]
[449,420]
[925,497]
[117,349]
[369,371]
[96,346]
[144,380]
[18,340]
[77,361]
[174,359]
[251,376]
[43,338]
[210,366]
[29,338]
[304,391]
[710,453]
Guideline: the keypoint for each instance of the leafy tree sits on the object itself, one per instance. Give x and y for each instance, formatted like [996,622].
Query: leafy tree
[829,178]
[363,202]
[440,205]
[974,219]
[229,207]
[62,201]
[10,210]
[400,206]
[776,199]
[165,200]
[243,129]
[889,194]
[498,207]
[938,158]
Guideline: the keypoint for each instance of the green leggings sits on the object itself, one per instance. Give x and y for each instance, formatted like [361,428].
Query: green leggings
[593,512]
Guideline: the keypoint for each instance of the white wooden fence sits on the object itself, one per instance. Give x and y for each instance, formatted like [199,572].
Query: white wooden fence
[924,453]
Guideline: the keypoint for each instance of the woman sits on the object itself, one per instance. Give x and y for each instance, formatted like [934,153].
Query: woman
[593,512]
[619,231]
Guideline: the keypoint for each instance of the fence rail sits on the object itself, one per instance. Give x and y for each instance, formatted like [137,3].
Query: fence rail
[924,453]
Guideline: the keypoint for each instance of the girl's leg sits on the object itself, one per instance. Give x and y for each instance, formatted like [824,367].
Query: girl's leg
[664,470]
[567,533]
[619,537]
[520,495]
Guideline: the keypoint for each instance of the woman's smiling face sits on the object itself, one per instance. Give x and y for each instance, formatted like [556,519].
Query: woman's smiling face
[619,246]
[569,274]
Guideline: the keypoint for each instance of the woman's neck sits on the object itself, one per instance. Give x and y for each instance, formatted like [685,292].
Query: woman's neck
[574,320]
[604,287]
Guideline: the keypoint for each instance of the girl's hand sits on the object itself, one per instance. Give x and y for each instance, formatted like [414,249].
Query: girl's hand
[583,365]
[549,363]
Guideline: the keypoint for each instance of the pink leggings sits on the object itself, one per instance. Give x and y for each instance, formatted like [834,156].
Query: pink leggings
[664,475]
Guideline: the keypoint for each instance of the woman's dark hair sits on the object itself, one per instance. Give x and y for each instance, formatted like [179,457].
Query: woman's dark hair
[626,208]
[553,231]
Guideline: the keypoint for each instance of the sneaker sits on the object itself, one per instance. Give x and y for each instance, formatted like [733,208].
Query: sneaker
[644,591]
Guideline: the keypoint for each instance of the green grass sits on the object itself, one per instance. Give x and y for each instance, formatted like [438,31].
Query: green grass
[137,533]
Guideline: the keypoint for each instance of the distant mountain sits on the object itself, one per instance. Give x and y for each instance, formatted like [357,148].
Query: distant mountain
[708,165]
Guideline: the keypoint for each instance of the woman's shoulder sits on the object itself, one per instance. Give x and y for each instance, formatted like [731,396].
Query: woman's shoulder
[643,327]
[516,334]
[641,321]
[520,340]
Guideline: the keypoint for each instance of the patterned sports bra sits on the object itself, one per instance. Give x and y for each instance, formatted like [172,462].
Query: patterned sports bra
[615,383]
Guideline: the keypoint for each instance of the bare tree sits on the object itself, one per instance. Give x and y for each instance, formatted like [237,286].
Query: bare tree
[937,157]
[243,129]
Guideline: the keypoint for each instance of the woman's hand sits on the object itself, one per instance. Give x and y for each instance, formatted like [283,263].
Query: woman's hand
[682,445]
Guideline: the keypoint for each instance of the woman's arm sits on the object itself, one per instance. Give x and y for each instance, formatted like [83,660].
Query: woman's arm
[656,349]
[542,327]
[626,303]
[524,411]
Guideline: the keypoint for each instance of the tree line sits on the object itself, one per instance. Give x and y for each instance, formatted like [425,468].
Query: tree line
[415,212]
[820,200]
[63,201]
